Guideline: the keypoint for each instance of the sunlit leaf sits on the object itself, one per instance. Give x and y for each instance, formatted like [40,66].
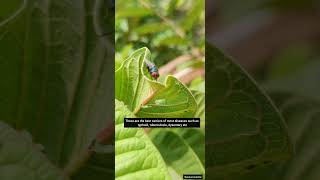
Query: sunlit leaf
[178,154]
[136,156]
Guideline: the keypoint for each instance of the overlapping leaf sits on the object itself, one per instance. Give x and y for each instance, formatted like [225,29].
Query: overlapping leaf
[56,80]
[21,159]
[302,116]
[179,153]
[200,113]
[246,129]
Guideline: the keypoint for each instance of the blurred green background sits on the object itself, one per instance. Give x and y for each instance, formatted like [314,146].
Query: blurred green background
[173,30]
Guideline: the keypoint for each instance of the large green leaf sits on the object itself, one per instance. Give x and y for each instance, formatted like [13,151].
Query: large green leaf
[136,157]
[21,159]
[246,131]
[56,80]
[195,138]
[178,153]
[302,116]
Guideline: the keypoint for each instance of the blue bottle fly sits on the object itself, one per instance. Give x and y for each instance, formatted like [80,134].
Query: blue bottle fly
[153,70]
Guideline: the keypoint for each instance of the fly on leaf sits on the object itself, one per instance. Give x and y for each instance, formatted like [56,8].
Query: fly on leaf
[153,70]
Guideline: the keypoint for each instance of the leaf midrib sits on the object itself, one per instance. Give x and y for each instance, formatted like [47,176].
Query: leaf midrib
[83,53]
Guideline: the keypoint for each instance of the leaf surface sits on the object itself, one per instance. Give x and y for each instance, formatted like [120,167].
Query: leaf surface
[58,80]
[302,116]
[179,152]
[21,159]
[136,156]
[133,83]
[246,129]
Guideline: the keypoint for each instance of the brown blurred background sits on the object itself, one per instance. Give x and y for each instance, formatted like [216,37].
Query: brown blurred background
[257,32]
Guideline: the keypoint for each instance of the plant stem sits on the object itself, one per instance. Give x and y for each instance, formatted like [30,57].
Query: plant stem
[105,136]
[76,164]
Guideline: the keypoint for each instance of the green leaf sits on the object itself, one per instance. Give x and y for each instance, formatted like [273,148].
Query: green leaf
[9,10]
[132,12]
[200,113]
[303,119]
[99,165]
[302,116]
[147,97]
[179,154]
[21,159]
[149,28]
[136,157]
[195,138]
[246,129]
[171,41]
[133,82]
[57,63]
[172,6]
[198,84]
[193,15]
[173,101]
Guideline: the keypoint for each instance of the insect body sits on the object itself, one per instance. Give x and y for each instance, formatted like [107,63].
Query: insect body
[153,70]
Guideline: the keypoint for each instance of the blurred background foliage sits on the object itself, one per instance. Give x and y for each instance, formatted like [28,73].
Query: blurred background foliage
[173,30]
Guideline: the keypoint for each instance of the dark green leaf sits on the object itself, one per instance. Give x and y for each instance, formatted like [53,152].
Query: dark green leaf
[246,129]
[21,159]
[56,76]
